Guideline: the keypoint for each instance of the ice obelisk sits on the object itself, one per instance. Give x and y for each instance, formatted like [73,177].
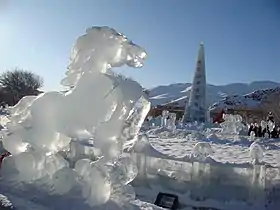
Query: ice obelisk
[196,107]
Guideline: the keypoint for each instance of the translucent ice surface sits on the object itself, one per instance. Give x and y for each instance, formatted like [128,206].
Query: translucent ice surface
[202,150]
[14,144]
[109,108]
[232,124]
[64,180]
[124,170]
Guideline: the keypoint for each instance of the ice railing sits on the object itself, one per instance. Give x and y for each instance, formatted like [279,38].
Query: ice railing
[255,185]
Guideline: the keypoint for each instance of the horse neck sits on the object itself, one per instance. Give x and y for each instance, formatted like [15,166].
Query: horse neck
[85,82]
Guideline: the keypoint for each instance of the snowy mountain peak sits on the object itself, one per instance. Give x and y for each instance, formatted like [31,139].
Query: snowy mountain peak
[256,99]
[179,92]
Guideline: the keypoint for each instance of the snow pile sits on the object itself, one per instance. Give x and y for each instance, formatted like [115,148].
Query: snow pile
[172,131]
[212,137]
[195,126]
[232,124]
[102,105]
[170,128]
[164,132]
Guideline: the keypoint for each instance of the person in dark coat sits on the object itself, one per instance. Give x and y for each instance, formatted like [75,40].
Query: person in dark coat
[270,117]
[260,131]
[278,132]
[250,129]
[264,131]
[274,133]
[255,129]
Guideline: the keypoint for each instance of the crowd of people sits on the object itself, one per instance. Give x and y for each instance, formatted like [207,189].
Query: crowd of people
[261,131]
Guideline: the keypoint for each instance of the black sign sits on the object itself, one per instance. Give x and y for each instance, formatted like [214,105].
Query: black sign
[167,200]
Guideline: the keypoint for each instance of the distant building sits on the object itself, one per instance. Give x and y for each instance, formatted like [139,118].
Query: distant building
[172,107]
[248,115]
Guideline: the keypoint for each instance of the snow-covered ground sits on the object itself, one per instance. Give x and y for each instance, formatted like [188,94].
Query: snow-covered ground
[226,148]
[165,144]
[163,148]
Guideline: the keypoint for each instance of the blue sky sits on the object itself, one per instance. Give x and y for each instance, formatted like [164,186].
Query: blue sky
[242,38]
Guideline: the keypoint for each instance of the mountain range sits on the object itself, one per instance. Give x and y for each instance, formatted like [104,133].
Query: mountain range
[179,92]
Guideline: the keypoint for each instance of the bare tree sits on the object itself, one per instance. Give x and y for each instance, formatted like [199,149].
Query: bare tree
[18,83]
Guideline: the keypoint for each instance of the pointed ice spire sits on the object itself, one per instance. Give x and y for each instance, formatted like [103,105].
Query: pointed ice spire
[196,107]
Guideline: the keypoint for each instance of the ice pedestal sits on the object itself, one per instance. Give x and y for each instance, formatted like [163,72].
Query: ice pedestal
[252,136]
[256,153]
[108,107]
[201,151]
[164,117]
[172,122]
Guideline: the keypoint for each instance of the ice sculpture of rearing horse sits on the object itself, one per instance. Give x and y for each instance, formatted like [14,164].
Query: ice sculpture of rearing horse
[99,101]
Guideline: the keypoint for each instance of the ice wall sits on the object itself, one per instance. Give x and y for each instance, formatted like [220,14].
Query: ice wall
[220,186]
[105,106]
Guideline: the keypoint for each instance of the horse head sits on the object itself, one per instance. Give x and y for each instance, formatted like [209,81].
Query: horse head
[100,49]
